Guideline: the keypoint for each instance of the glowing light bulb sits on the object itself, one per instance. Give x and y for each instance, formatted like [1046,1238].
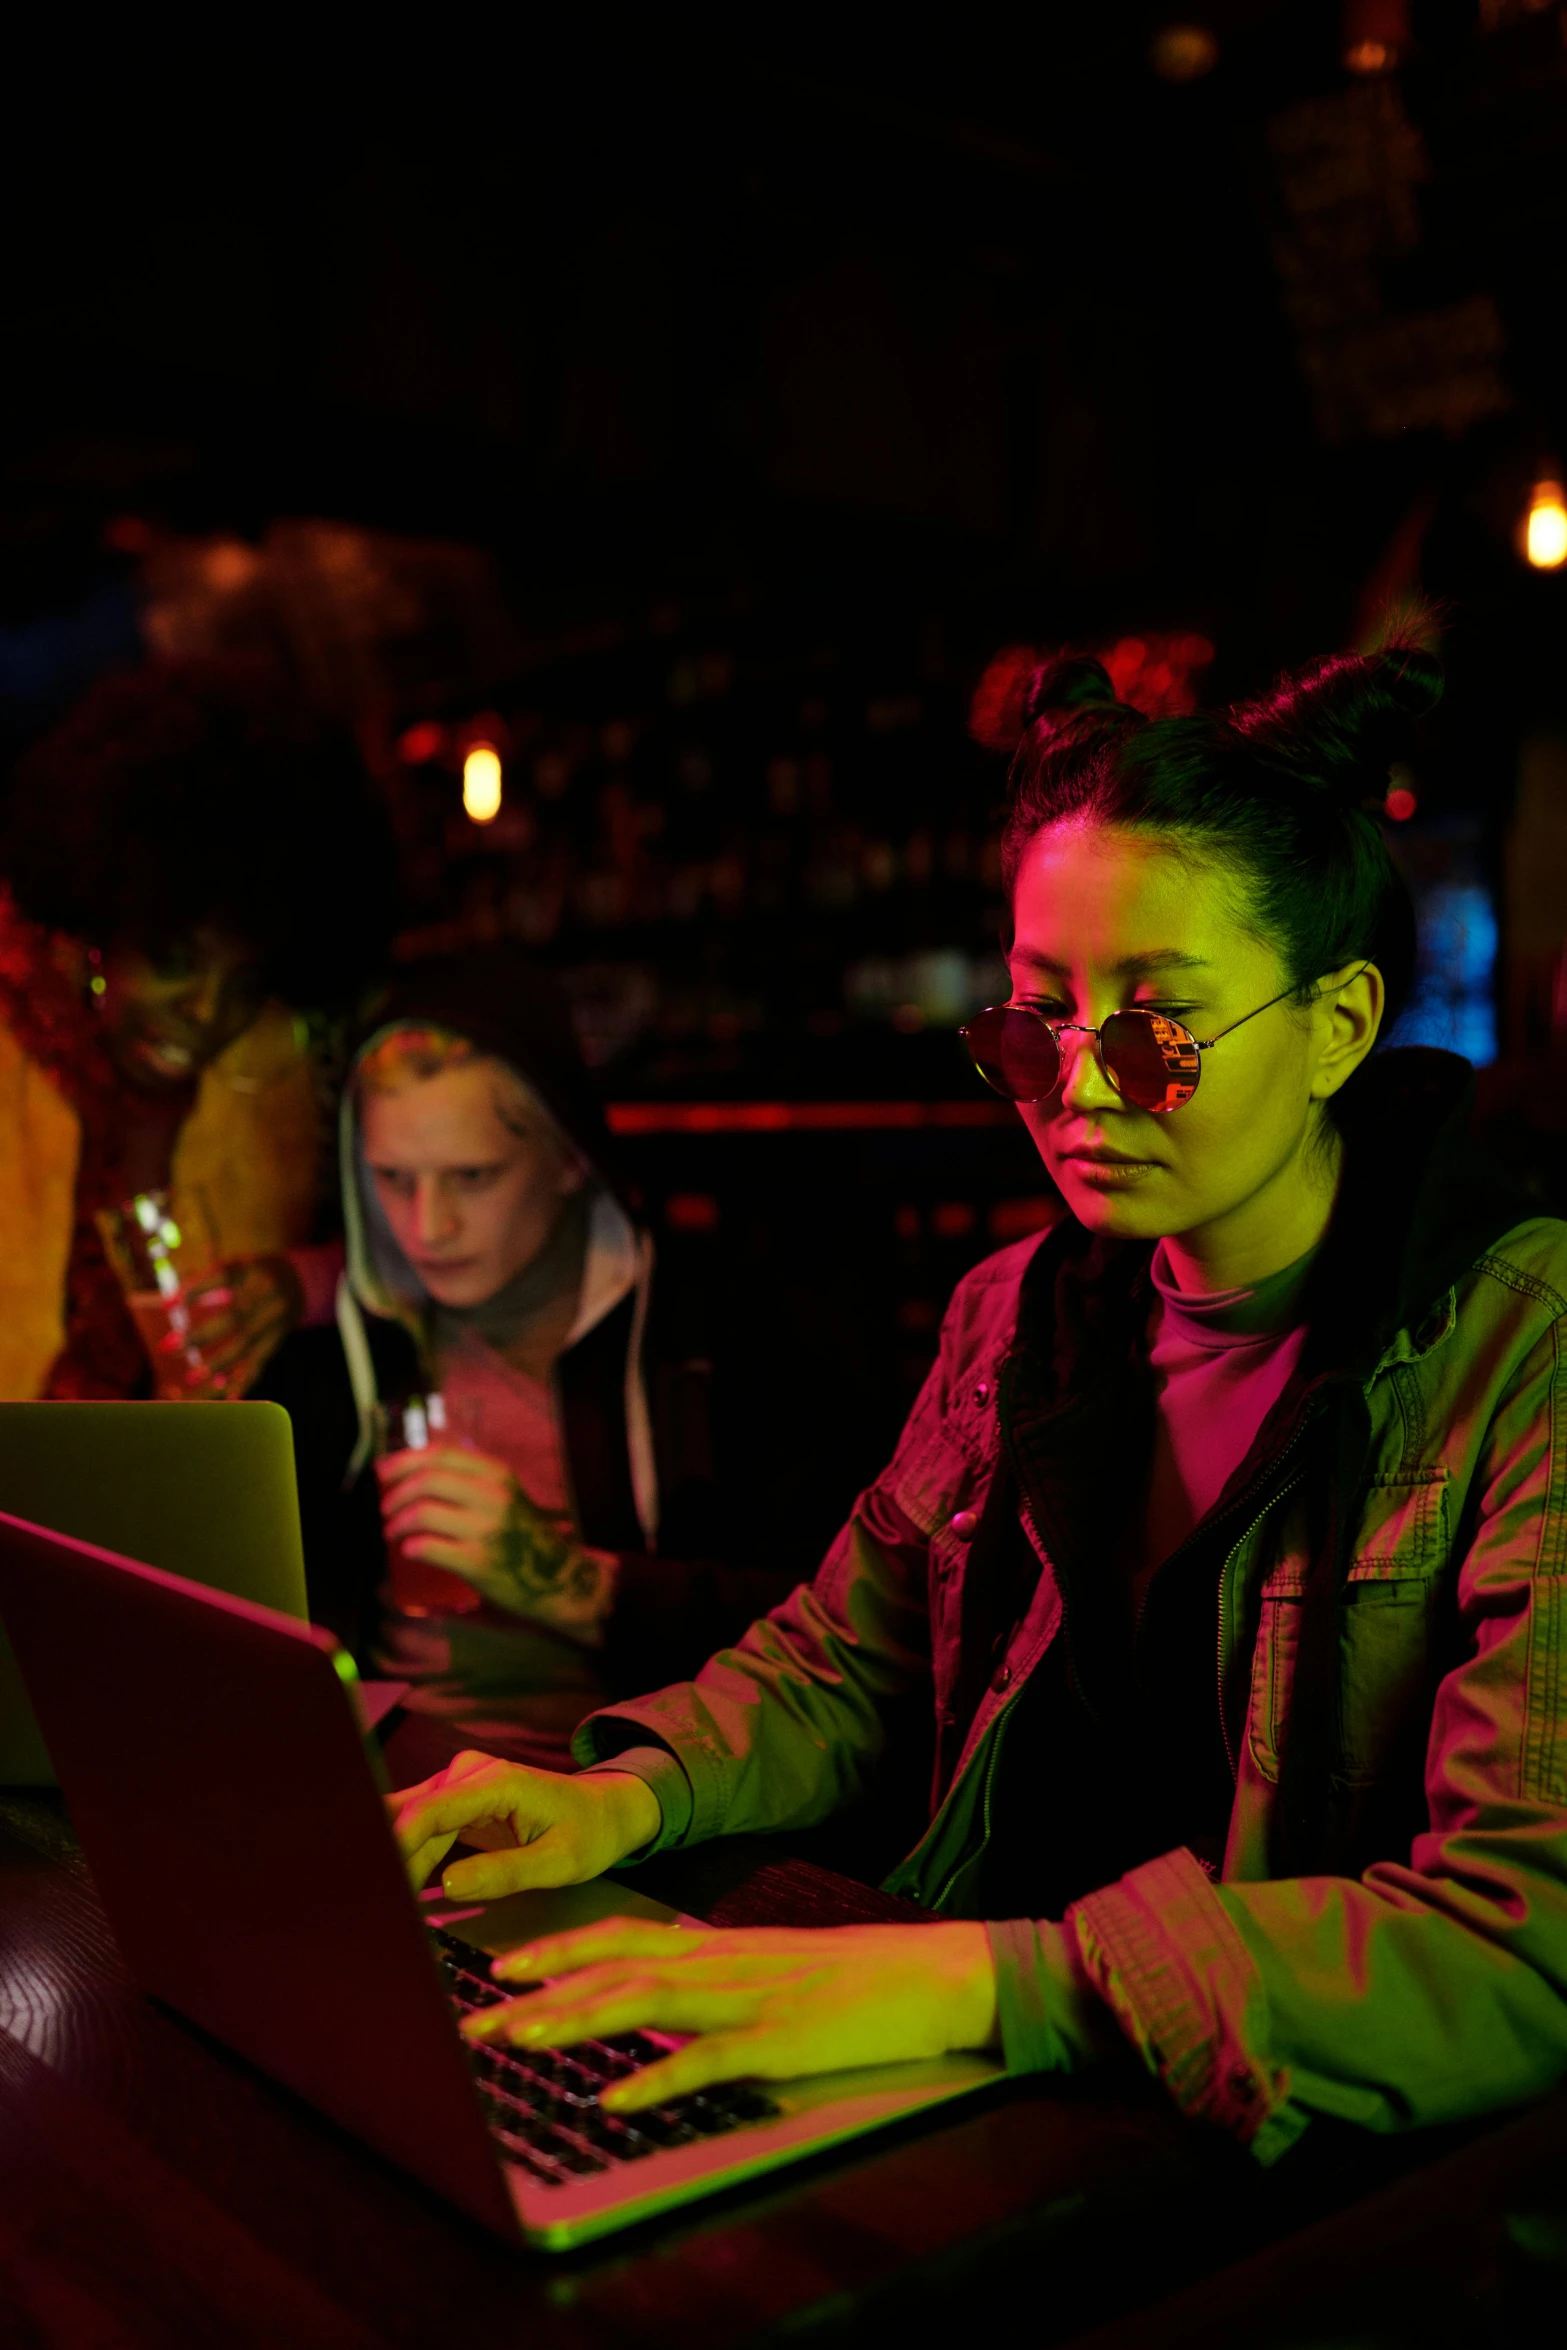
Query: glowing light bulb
[1545,532]
[481,783]
[1183,52]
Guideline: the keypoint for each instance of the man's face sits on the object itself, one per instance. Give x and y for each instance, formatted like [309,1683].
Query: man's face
[471,1195]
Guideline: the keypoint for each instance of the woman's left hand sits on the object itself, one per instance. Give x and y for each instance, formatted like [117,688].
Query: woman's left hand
[763,2002]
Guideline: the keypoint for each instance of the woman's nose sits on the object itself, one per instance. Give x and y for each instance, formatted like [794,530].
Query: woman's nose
[1084,1086]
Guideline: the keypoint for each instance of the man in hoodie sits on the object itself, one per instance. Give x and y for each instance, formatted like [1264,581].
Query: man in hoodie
[492,1260]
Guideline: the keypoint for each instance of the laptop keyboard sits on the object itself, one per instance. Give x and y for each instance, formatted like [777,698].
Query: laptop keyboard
[543,2106]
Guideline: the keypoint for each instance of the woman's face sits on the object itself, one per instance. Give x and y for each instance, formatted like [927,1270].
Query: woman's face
[471,1195]
[166,1016]
[1105,920]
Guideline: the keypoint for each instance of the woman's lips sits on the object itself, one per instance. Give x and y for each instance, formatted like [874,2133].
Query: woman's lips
[1108,1170]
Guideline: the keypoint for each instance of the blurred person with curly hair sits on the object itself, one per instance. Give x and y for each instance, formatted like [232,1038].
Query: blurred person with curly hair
[196,878]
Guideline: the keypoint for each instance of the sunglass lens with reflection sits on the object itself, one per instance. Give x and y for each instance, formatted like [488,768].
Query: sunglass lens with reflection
[1153,1061]
[1014,1052]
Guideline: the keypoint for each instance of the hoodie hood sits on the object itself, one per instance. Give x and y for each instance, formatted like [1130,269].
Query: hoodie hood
[507,1005]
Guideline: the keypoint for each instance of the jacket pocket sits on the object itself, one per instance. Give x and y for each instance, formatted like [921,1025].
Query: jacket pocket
[1403,1527]
[1386,1616]
[931,1481]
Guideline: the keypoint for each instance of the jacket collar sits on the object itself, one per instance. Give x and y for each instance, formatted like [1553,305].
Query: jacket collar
[1419,1202]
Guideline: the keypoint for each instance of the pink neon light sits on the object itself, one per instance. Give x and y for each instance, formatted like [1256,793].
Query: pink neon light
[799,1117]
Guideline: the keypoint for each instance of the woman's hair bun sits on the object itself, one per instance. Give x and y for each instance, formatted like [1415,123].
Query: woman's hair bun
[1339,725]
[1026,693]
[1070,711]
[1064,685]
[1411,675]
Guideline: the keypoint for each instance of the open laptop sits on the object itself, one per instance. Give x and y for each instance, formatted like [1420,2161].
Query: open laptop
[206,1490]
[231,1811]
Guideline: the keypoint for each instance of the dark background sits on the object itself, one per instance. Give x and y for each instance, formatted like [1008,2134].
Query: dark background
[694,421]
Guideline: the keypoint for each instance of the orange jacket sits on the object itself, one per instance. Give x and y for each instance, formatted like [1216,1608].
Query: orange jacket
[251,1147]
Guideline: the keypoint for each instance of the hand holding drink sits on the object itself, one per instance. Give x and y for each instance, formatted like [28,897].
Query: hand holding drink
[169,1274]
[460,1531]
[413,1439]
[207,1326]
[238,1324]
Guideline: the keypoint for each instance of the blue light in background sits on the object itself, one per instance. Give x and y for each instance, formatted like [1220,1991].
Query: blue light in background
[1453,1004]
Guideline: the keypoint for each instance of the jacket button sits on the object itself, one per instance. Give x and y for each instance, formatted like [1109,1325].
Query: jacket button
[982,1392]
[1001,1676]
[964,1523]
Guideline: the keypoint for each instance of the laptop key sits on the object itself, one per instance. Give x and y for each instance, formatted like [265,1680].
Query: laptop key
[666,2127]
[533,2158]
[617,2068]
[576,2084]
[575,2155]
[706,2115]
[505,2114]
[543,2062]
[742,2103]
[470,1993]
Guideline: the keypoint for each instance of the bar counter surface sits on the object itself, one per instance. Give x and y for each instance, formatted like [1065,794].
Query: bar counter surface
[155,2189]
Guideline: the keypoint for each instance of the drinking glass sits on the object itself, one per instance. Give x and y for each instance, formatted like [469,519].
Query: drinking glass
[170,1272]
[419,1589]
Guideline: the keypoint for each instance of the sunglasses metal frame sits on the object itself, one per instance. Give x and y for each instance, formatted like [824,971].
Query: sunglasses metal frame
[1059,1028]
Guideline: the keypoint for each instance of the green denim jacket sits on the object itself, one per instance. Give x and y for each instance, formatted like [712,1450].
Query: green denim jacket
[1415,1970]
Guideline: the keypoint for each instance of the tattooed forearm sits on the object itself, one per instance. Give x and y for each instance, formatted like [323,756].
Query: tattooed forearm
[545,1572]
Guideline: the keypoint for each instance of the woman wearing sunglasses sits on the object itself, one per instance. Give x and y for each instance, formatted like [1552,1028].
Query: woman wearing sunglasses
[1226,1540]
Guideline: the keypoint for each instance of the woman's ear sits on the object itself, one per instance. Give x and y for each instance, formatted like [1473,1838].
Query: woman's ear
[1345,1018]
[573,1174]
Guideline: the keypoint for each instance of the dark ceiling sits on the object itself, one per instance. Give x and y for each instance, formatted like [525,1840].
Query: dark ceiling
[980,317]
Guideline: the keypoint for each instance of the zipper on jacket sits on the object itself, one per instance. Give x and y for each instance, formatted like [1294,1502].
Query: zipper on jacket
[1032,1524]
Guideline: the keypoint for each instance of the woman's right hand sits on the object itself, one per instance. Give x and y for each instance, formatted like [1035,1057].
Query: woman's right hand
[537,1828]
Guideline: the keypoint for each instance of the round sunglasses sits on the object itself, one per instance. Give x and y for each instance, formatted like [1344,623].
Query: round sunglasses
[1149,1058]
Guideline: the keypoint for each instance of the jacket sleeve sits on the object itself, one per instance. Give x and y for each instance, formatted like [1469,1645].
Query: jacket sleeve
[787,1725]
[1429,1988]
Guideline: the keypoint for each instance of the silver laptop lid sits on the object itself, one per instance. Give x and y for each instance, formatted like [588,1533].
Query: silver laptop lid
[205,1490]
